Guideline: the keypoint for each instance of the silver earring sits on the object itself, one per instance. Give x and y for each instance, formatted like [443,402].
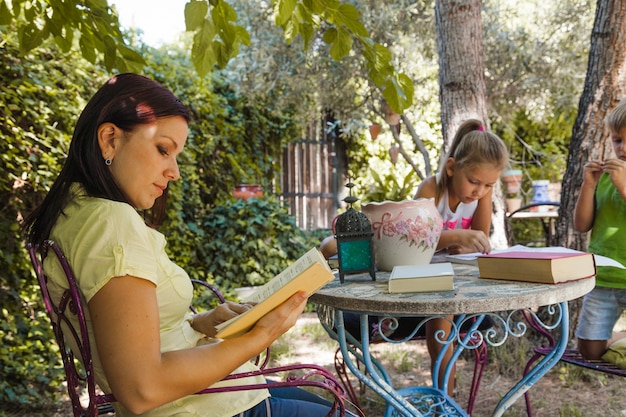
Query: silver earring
[107,161]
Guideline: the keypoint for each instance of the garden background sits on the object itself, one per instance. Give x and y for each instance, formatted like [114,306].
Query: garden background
[262,96]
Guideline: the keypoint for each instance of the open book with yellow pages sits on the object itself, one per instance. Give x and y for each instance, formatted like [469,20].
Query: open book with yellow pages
[308,273]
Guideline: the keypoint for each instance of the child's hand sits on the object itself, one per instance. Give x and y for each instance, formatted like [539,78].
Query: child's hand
[592,171]
[616,168]
[469,241]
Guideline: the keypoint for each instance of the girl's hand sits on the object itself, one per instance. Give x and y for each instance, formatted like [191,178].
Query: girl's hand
[468,241]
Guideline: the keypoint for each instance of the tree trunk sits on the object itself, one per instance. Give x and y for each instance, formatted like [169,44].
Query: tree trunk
[461,65]
[605,85]
[462,93]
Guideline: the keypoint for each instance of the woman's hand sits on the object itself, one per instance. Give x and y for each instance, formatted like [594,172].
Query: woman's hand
[205,322]
[282,318]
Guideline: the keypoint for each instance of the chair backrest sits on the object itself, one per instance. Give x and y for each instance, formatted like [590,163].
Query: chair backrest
[80,373]
[64,314]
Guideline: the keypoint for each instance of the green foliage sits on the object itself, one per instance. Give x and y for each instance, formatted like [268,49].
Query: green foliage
[539,146]
[387,187]
[217,37]
[93,23]
[41,95]
[247,242]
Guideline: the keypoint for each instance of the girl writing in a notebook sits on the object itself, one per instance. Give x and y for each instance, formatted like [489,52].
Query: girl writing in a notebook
[463,190]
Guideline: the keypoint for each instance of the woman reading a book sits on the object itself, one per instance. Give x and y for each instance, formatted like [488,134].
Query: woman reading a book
[150,352]
[601,208]
[462,190]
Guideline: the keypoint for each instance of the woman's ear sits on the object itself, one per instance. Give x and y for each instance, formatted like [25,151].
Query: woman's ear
[107,134]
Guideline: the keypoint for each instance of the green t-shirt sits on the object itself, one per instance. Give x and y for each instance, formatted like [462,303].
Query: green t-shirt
[103,239]
[608,236]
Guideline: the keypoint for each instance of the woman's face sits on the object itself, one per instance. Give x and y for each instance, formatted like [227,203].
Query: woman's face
[144,160]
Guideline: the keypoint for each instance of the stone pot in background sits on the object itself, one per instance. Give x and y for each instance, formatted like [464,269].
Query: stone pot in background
[512,180]
[405,232]
[375,129]
[246,191]
[513,204]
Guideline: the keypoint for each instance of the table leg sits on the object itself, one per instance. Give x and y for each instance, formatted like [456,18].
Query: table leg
[542,367]
[378,382]
[460,347]
[410,402]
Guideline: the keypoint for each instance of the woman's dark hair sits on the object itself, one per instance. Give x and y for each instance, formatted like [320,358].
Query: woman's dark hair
[127,101]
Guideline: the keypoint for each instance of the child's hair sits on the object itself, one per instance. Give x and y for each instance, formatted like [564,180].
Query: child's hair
[616,120]
[472,145]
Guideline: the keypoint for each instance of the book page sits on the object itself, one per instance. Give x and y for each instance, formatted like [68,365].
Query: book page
[309,273]
[280,280]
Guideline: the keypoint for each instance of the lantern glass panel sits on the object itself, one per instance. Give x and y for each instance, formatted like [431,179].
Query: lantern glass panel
[356,255]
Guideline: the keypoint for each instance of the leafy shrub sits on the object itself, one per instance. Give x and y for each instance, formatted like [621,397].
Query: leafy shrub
[247,242]
[41,95]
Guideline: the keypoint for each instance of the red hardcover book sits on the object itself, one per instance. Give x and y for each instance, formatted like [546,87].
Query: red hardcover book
[539,266]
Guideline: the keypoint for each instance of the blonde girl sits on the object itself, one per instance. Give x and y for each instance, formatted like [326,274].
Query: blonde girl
[462,190]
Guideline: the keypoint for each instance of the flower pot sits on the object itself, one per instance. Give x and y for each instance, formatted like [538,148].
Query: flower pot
[246,191]
[405,232]
[512,180]
[394,151]
[513,204]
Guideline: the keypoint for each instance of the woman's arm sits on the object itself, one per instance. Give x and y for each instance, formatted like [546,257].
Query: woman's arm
[125,320]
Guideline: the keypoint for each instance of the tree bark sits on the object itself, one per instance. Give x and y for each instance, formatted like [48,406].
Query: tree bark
[605,85]
[462,90]
[462,93]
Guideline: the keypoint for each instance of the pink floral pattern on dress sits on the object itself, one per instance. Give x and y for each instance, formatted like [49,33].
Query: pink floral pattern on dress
[451,224]
[420,231]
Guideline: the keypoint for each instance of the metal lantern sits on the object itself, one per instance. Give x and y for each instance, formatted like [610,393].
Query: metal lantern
[355,247]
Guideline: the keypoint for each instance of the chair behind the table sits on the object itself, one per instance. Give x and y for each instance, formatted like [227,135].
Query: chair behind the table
[87,400]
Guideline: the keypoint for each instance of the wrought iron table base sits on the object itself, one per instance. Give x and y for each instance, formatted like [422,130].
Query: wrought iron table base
[434,401]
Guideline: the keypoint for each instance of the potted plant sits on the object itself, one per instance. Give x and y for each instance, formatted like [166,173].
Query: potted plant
[512,180]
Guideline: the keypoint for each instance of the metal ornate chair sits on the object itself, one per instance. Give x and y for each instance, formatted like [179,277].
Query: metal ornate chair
[571,356]
[79,365]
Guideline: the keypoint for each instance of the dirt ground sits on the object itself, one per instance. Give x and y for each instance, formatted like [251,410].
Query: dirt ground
[565,391]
